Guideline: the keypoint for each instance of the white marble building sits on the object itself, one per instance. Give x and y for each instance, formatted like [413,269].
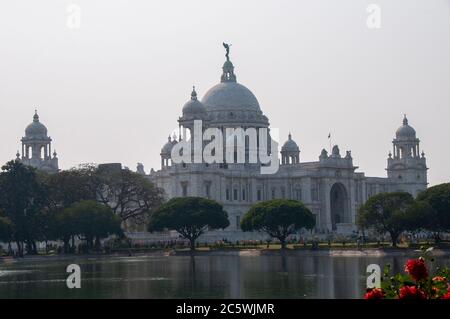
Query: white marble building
[37,147]
[330,186]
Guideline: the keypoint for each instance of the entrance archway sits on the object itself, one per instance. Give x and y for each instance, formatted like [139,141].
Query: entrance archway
[339,205]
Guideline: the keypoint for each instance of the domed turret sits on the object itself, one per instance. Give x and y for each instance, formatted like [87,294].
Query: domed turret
[290,145]
[36,129]
[290,152]
[37,147]
[407,169]
[405,131]
[166,152]
[193,108]
[167,148]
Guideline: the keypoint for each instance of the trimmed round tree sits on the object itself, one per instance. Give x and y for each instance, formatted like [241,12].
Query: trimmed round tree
[90,220]
[190,217]
[387,213]
[279,218]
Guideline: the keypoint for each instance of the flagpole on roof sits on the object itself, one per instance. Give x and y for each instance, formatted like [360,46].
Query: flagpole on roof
[329,139]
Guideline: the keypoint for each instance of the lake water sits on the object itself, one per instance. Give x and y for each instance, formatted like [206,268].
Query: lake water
[205,276]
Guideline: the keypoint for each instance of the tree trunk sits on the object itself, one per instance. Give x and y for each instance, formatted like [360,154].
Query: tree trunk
[89,242]
[97,244]
[192,243]
[73,243]
[394,239]
[283,243]
[437,238]
[19,249]
[66,245]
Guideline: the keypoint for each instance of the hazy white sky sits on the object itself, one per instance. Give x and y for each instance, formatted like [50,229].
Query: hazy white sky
[112,90]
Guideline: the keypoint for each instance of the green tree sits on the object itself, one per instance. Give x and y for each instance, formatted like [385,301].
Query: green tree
[65,188]
[90,221]
[387,213]
[23,198]
[189,216]
[6,231]
[436,219]
[279,218]
[68,187]
[418,215]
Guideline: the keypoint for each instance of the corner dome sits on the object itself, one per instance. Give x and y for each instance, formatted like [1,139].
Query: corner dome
[193,107]
[36,129]
[290,145]
[167,148]
[405,131]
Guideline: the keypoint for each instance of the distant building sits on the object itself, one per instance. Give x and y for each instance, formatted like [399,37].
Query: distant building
[330,187]
[37,148]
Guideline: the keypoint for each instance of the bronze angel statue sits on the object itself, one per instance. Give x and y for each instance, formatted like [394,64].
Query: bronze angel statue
[227,47]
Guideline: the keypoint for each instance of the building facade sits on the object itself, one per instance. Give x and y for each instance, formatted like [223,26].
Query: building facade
[330,186]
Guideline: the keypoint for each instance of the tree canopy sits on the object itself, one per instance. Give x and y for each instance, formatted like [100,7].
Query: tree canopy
[90,221]
[130,195]
[279,218]
[34,203]
[387,212]
[23,199]
[437,217]
[6,231]
[189,216]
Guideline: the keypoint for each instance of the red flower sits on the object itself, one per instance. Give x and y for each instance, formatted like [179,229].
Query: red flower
[412,292]
[417,269]
[446,296]
[375,293]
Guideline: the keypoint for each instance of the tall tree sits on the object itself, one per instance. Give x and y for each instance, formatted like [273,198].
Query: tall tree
[437,217]
[22,198]
[190,217]
[279,218]
[387,213]
[130,195]
[68,187]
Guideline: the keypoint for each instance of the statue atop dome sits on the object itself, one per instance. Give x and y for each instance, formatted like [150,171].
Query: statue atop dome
[227,48]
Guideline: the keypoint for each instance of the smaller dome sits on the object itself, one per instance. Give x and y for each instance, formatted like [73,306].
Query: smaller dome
[167,148]
[36,129]
[193,106]
[290,145]
[228,66]
[405,131]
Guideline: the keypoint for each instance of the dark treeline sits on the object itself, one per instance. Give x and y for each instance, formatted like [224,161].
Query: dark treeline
[398,212]
[86,203]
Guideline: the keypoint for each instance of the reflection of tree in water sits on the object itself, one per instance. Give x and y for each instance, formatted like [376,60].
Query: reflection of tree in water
[192,273]
[277,276]
[231,276]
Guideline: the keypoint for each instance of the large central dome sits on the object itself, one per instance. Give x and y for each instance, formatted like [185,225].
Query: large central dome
[230,96]
[231,103]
